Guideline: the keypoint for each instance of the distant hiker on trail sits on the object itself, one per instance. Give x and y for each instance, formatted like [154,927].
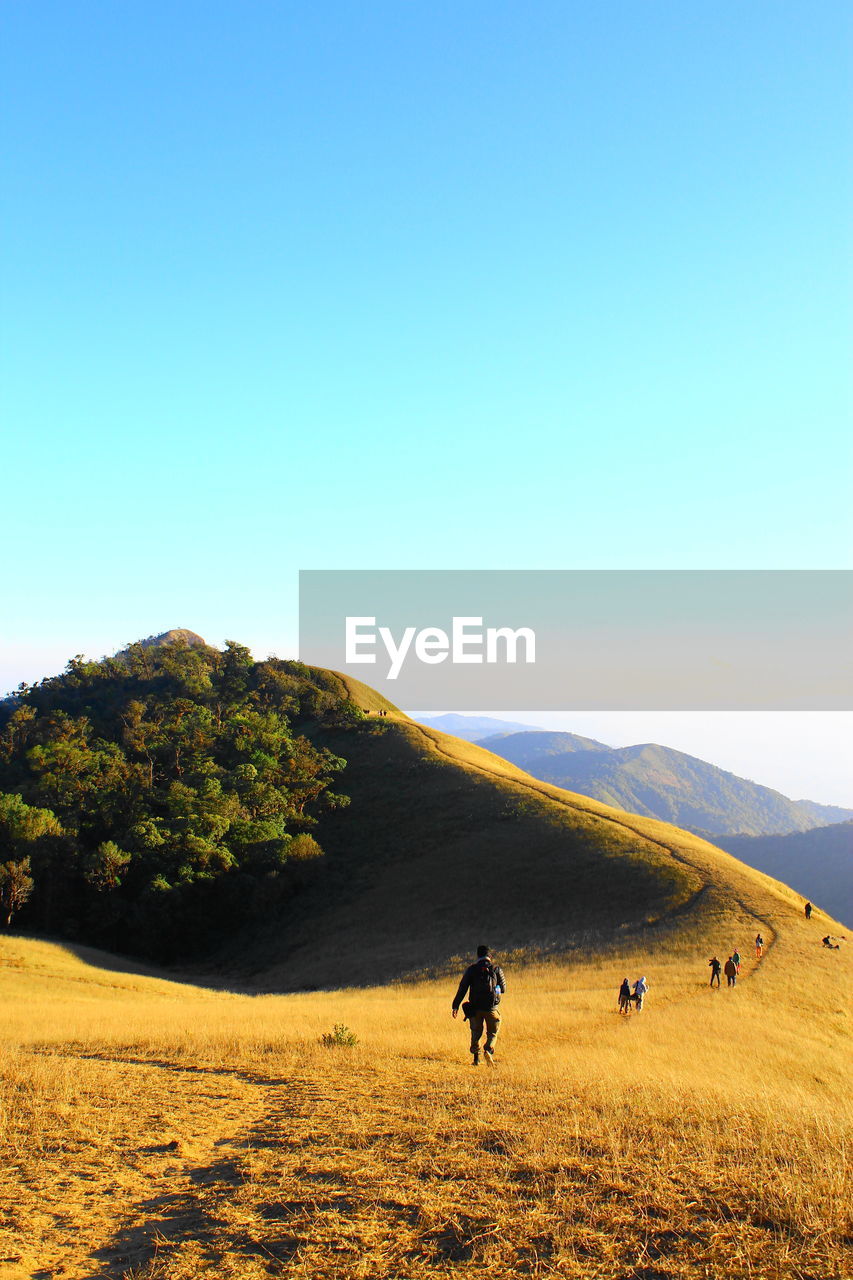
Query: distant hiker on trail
[485,983]
[759,946]
[736,960]
[716,969]
[625,996]
[640,989]
[808,910]
[730,970]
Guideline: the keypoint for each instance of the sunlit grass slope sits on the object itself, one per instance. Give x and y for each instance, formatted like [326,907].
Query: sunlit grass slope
[159,1131]
[445,844]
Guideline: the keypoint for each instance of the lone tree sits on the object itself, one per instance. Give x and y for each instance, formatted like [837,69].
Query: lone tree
[16,885]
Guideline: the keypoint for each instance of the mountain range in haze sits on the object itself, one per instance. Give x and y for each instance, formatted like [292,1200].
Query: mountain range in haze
[473,728]
[656,781]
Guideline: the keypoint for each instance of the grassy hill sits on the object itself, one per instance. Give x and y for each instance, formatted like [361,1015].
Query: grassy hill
[444,844]
[158,1126]
[180,800]
[663,783]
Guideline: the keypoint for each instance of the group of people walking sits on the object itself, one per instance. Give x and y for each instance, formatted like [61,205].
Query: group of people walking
[483,982]
[731,968]
[627,997]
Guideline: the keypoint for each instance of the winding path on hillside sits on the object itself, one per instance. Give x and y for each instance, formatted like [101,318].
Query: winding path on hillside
[558,796]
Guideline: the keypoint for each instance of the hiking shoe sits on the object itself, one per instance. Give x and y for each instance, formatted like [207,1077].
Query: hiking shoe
[475,1060]
[490,1056]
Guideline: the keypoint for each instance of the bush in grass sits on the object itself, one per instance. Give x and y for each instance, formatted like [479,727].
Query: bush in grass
[340,1035]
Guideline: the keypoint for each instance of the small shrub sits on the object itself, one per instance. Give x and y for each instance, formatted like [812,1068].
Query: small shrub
[303,848]
[340,1035]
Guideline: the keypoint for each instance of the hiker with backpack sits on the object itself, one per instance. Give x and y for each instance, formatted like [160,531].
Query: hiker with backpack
[484,983]
[625,996]
[730,970]
[759,946]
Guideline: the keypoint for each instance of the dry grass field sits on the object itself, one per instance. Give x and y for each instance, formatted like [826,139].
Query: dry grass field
[153,1128]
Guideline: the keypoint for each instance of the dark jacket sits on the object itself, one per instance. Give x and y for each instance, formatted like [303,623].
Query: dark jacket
[469,976]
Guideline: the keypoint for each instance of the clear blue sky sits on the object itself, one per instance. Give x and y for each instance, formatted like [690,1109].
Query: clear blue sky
[288,285]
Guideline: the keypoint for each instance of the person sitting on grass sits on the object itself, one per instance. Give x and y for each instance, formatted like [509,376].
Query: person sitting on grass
[485,982]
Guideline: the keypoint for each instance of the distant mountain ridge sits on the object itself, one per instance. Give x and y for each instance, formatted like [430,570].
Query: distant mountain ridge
[473,728]
[816,863]
[661,782]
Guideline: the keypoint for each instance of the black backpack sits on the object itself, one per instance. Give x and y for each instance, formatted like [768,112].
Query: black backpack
[484,994]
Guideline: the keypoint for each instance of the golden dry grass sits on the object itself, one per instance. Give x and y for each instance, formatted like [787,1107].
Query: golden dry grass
[159,1130]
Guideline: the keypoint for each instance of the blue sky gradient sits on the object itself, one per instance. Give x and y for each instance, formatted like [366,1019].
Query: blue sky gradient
[434,286]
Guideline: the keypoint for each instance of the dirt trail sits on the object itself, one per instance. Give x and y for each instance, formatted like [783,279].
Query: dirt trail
[144,1139]
[389,1171]
[175,1183]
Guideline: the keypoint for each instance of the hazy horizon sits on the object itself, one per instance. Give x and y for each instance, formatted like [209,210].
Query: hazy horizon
[806,755]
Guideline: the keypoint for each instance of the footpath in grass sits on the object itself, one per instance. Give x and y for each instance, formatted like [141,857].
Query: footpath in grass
[374,1161]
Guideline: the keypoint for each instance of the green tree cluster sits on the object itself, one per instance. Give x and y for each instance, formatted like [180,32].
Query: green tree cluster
[154,801]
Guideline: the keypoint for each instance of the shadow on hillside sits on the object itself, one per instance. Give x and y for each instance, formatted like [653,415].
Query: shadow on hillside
[93,957]
[113,962]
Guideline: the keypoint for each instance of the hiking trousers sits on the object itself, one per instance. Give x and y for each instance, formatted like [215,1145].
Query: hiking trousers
[490,1019]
